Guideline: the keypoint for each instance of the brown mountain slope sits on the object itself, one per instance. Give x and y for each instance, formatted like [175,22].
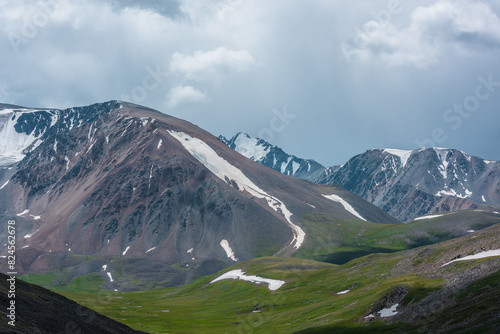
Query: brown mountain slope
[123,184]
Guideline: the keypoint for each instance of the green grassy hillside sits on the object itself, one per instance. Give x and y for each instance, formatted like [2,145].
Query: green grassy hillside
[339,241]
[331,240]
[432,298]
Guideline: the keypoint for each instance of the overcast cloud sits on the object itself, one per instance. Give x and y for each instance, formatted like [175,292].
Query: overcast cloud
[321,79]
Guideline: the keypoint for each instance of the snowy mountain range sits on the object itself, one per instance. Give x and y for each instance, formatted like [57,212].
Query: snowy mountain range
[409,184]
[405,183]
[120,180]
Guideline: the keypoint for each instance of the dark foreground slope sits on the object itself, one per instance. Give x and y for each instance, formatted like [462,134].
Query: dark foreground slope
[40,311]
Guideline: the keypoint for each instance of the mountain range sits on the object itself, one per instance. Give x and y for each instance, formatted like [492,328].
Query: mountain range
[155,223]
[121,180]
[404,183]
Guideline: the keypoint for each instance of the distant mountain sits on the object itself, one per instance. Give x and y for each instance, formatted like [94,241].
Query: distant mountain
[274,157]
[120,181]
[409,184]
[405,183]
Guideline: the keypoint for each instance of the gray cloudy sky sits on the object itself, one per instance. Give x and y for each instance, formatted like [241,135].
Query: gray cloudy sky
[322,79]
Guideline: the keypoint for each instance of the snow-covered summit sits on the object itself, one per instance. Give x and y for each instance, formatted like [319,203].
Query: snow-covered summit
[412,183]
[274,157]
[24,129]
[403,155]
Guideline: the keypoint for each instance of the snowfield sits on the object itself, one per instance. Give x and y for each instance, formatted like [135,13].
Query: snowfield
[404,155]
[389,312]
[386,312]
[249,148]
[12,143]
[229,252]
[227,173]
[239,274]
[6,183]
[346,205]
[23,213]
[126,250]
[481,255]
[428,217]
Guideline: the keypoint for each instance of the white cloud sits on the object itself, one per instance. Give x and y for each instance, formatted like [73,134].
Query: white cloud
[184,94]
[259,55]
[204,65]
[459,26]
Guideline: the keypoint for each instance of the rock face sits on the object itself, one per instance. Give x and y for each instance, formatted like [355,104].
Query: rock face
[409,184]
[117,179]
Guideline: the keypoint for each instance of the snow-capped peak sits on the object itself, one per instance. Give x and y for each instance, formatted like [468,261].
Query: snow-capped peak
[13,142]
[273,157]
[250,147]
[21,127]
[404,155]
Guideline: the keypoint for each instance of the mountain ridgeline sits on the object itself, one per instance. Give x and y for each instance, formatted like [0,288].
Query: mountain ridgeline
[406,184]
[274,157]
[115,197]
[120,180]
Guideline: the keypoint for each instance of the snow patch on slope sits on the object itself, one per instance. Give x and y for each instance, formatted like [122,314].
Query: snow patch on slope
[228,173]
[295,167]
[3,186]
[239,274]
[442,153]
[346,205]
[404,155]
[428,217]
[284,165]
[126,250]
[389,312]
[23,213]
[27,236]
[452,192]
[229,252]
[481,255]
